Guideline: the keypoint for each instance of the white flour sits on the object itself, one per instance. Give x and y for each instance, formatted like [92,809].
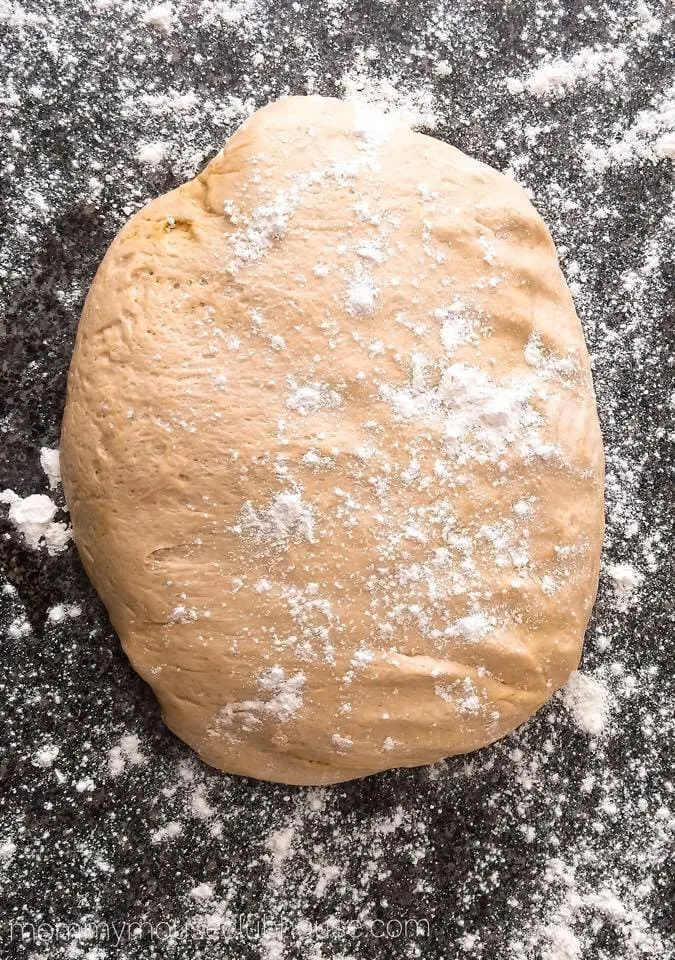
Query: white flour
[33,517]
[589,702]
[287,518]
[49,461]
[554,843]
[557,76]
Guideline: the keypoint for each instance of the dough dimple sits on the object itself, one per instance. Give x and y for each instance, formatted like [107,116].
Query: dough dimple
[331,450]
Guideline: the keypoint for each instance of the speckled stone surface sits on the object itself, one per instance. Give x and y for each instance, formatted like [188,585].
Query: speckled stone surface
[555,843]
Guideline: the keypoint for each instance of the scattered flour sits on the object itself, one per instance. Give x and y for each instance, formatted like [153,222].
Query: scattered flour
[412,105]
[63,611]
[267,223]
[46,755]
[312,397]
[560,943]
[555,77]
[152,154]
[230,12]
[589,701]
[341,743]
[200,806]
[287,519]
[183,614]
[361,293]
[650,137]
[482,417]
[574,907]
[626,580]
[33,517]
[280,845]
[287,696]
[7,850]
[49,461]
[126,751]
[203,891]
[160,16]
[169,831]
[285,700]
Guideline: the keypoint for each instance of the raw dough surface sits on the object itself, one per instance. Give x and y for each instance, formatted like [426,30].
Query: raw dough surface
[331,450]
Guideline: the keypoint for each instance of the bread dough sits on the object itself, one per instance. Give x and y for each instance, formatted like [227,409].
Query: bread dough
[331,450]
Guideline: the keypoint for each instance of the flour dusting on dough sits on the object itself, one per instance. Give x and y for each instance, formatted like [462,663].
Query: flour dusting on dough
[287,518]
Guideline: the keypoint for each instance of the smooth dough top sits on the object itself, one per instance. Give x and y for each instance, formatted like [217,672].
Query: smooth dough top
[331,450]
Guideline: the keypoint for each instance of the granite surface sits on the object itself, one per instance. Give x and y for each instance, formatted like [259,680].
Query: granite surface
[555,843]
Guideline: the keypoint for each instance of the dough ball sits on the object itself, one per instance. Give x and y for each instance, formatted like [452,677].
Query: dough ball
[331,450]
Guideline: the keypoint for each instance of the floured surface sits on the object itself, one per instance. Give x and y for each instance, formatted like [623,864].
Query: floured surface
[524,849]
[331,451]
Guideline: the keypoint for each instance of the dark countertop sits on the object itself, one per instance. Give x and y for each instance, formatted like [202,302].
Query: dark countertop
[555,843]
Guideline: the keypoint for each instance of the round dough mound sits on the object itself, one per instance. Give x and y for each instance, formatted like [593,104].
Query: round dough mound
[331,450]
